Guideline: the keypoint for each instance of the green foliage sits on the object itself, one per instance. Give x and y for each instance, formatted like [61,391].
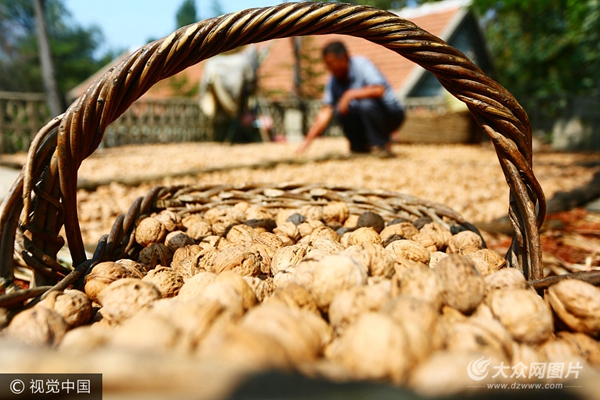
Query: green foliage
[544,48]
[73,47]
[216,8]
[186,14]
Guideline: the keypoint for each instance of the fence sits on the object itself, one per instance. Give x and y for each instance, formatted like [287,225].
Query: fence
[21,116]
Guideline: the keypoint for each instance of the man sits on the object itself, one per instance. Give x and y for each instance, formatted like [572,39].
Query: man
[361,99]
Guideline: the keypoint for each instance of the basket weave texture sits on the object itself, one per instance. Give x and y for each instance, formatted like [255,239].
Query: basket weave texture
[43,199]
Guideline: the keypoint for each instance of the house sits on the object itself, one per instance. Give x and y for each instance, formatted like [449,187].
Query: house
[424,96]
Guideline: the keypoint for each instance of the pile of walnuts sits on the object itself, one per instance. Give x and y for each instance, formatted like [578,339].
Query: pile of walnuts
[323,292]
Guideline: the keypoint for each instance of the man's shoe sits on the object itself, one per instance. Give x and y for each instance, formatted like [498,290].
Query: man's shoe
[381,153]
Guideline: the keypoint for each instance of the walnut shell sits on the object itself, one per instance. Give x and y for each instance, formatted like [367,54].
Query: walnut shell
[195,285]
[37,326]
[244,348]
[288,256]
[507,278]
[288,231]
[577,304]
[377,260]
[155,254]
[240,259]
[73,305]
[473,337]
[198,229]
[167,281]
[294,296]
[426,240]
[464,242]
[85,338]
[487,261]
[301,333]
[523,313]
[177,239]
[186,260]
[438,233]
[262,288]
[364,235]
[420,282]
[241,234]
[409,250]
[373,348]
[402,230]
[124,298]
[327,245]
[150,230]
[349,304]
[326,276]
[102,275]
[170,219]
[135,269]
[463,287]
[307,227]
[436,256]
[585,346]
[335,213]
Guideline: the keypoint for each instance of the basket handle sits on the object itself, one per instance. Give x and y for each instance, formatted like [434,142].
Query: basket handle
[46,192]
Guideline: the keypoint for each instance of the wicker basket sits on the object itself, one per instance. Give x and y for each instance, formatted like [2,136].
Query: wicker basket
[42,202]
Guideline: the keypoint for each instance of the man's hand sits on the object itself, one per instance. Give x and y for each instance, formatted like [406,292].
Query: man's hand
[343,105]
[373,91]
[320,123]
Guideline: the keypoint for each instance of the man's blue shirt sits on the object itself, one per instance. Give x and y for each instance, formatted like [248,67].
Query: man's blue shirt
[361,72]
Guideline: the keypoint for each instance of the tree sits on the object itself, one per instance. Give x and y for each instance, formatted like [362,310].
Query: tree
[544,48]
[72,46]
[186,14]
[47,64]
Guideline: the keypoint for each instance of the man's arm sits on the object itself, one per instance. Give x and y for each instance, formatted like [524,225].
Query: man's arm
[320,123]
[371,91]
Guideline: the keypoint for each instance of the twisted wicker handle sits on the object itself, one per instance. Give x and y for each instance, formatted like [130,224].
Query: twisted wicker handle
[46,192]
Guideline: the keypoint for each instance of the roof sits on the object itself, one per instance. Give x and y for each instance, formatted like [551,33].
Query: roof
[276,72]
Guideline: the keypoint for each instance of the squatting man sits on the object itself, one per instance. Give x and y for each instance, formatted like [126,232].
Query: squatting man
[361,99]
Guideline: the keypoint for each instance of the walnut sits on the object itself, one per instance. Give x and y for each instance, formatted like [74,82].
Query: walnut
[270,240]
[149,334]
[364,235]
[241,286]
[155,254]
[373,348]
[327,245]
[439,233]
[192,219]
[349,304]
[284,277]
[301,333]
[423,314]
[195,285]
[472,337]
[377,260]
[409,250]
[558,350]
[262,288]
[420,282]
[37,326]
[199,229]
[307,227]
[464,242]
[222,219]
[584,345]
[288,256]
[371,219]
[124,298]
[295,296]
[436,256]
[508,278]
[150,230]
[402,230]
[463,287]
[167,281]
[103,274]
[287,232]
[177,239]
[135,269]
[326,276]
[523,313]
[241,234]
[312,212]
[335,213]
[73,305]
[240,259]
[260,213]
[246,349]
[186,260]
[170,219]
[85,338]
[487,261]
[426,240]
[577,304]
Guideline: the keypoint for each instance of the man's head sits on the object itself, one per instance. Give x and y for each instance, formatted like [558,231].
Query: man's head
[336,59]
